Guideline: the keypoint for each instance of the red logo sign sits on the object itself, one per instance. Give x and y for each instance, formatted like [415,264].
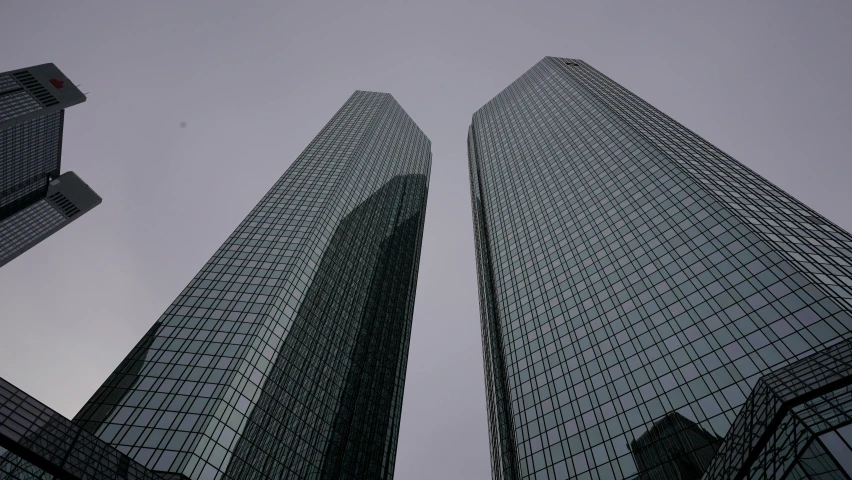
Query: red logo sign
[57,82]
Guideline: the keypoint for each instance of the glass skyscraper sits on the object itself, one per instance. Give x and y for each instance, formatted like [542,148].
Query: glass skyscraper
[37,443]
[650,307]
[35,200]
[285,356]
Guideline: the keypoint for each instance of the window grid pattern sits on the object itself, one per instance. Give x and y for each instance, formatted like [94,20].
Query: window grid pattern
[782,416]
[838,444]
[15,104]
[817,463]
[28,227]
[29,154]
[13,467]
[247,374]
[624,291]
[820,249]
[54,446]
[500,426]
[8,83]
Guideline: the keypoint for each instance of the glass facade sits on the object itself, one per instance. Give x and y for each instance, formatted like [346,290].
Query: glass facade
[29,157]
[795,424]
[32,116]
[635,285]
[37,443]
[65,200]
[285,356]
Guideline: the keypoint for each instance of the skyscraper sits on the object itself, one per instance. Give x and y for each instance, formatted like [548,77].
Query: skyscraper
[35,200]
[643,295]
[285,356]
[39,443]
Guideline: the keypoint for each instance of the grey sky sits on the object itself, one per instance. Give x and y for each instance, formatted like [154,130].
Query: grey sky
[766,81]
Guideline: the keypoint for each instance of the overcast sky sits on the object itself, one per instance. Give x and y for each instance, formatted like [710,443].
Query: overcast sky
[766,81]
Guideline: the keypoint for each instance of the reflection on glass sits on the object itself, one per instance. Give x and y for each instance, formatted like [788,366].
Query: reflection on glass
[674,448]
